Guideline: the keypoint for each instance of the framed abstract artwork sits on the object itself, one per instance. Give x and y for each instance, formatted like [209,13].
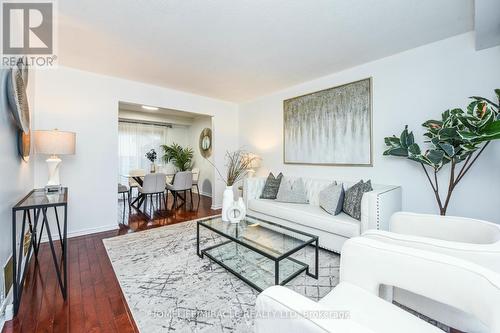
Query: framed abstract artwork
[330,127]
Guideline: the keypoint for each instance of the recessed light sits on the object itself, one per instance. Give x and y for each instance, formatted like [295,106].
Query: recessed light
[151,108]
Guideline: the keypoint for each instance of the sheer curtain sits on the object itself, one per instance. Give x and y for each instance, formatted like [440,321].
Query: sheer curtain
[136,139]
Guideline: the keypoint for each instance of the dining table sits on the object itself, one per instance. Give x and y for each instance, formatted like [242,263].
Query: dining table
[138,177]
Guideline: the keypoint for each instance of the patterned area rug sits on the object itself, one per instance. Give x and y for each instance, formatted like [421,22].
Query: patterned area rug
[169,288]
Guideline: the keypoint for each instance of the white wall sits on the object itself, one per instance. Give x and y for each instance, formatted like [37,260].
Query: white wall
[17,178]
[206,180]
[155,117]
[408,88]
[87,103]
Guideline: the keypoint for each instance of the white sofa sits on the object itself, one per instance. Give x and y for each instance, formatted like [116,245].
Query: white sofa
[465,238]
[354,305]
[376,208]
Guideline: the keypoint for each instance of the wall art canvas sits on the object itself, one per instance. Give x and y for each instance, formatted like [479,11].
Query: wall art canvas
[330,127]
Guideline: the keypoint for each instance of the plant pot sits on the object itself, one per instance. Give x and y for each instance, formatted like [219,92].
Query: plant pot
[227,201]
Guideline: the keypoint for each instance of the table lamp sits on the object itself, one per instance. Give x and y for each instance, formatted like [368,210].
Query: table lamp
[54,143]
[254,164]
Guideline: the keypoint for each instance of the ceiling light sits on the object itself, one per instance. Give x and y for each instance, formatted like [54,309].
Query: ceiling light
[151,108]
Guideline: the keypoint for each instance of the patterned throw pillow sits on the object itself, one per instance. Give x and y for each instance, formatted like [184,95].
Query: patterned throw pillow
[353,197]
[331,198]
[271,187]
[292,191]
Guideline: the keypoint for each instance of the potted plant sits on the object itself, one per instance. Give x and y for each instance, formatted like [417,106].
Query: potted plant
[181,158]
[460,137]
[238,163]
[151,156]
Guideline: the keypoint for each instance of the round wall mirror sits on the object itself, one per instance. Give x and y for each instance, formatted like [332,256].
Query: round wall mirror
[206,142]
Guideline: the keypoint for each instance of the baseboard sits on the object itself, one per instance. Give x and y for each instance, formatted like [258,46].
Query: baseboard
[83,232]
[215,207]
[206,194]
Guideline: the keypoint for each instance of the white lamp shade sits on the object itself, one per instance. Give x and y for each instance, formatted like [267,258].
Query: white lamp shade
[55,142]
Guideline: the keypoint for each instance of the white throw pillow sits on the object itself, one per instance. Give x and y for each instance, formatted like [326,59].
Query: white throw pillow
[331,198]
[293,191]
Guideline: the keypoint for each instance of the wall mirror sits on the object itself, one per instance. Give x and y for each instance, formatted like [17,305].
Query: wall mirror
[206,142]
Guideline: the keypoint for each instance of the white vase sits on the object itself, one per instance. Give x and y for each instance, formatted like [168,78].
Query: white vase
[236,211]
[227,201]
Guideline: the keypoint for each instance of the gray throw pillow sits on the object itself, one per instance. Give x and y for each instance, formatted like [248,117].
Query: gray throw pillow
[353,197]
[331,198]
[271,187]
[292,191]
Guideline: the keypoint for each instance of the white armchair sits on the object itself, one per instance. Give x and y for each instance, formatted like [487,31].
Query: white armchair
[465,238]
[354,305]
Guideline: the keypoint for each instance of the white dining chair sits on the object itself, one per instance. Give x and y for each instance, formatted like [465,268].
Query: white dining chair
[183,182]
[153,185]
[196,177]
[124,191]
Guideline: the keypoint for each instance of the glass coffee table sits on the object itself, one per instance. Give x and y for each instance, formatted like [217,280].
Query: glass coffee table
[257,251]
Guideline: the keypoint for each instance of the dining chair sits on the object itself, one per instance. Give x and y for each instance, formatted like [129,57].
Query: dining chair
[132,183]
[153,185]
[196,176]
[124,191]
[183,182]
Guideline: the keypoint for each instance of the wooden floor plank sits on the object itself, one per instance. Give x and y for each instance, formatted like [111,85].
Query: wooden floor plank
[95,301]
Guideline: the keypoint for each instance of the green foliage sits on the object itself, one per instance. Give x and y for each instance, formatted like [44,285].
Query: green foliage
[181,158]
[454,138]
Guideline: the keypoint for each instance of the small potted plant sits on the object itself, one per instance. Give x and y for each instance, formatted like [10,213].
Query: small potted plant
[151,156]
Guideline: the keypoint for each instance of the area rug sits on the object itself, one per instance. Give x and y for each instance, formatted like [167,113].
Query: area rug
[168,288]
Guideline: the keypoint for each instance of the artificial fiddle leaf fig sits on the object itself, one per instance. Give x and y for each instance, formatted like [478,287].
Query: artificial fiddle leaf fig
[404,138]
[487,101]
[448,149]
[414,149]
[490,132]
[392,141]
[435,156]
[397,151]
[459,137]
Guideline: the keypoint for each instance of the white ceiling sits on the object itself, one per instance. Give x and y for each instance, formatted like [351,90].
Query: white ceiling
[237,50]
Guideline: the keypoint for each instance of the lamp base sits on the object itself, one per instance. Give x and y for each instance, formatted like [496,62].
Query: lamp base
[54,163]
[53,189]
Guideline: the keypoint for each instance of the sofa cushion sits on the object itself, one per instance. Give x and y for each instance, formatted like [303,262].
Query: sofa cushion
[271,186]
[292,190]
[353,197]
[331,199]
[307,215]
[373,312]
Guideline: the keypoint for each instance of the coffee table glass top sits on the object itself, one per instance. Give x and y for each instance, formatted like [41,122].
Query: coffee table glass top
[271,240]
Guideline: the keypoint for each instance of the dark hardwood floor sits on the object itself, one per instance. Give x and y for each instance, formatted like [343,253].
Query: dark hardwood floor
[95,302]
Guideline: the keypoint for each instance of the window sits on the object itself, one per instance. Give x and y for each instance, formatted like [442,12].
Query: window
[136,139]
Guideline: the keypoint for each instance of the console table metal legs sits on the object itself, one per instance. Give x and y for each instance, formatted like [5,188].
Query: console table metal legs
[35,218]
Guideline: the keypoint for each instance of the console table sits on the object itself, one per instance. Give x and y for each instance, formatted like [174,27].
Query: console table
[34,208]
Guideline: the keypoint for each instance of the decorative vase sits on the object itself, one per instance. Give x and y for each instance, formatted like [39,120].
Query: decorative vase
[241,204]
[153,167]
[227,201]
[236,211]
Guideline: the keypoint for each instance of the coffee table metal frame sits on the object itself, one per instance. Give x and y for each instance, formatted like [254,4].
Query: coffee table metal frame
[313,242]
